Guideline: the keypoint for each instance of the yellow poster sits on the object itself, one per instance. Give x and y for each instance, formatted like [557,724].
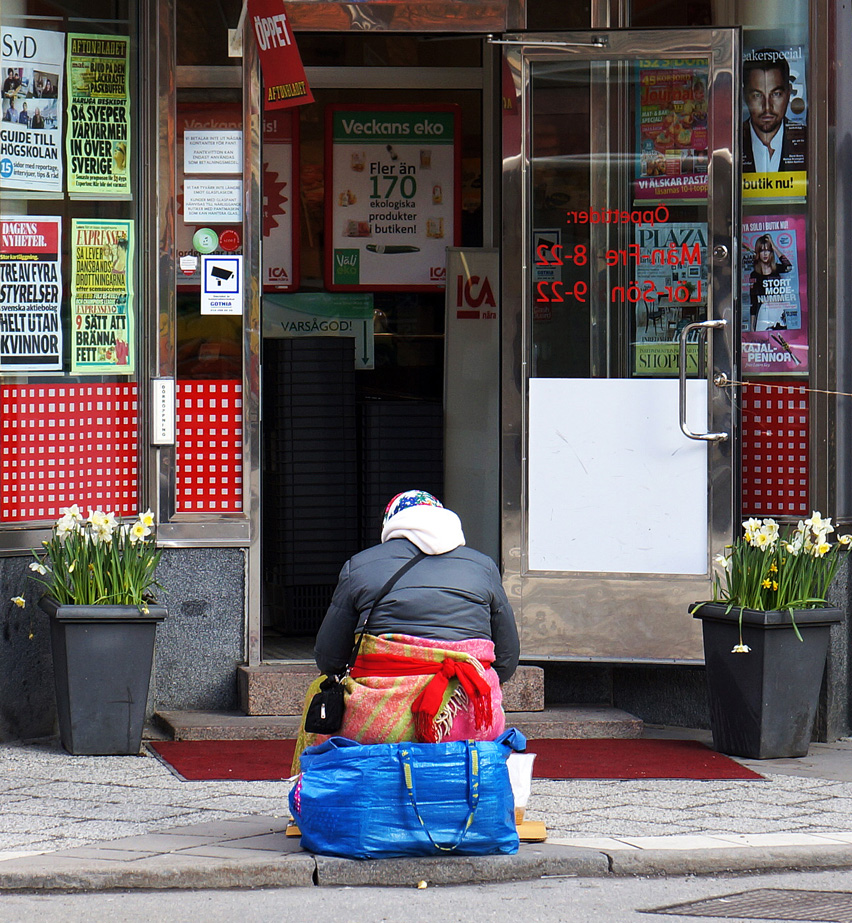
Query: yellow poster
[98,137]
[102,330]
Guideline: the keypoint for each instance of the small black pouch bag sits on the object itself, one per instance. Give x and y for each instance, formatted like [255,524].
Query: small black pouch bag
[325,713]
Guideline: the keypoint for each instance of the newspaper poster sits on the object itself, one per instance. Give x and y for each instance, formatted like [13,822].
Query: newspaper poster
[669,292]
[775,120]
[98,138]
[102,327]
[31,121]
[393,196]
[671,130]
[30,294]
[774,296]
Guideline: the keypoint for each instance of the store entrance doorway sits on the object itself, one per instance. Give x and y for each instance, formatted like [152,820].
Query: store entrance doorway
[353,375]
[621,200]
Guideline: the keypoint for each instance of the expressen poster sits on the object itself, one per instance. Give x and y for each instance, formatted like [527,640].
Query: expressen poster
[102,308]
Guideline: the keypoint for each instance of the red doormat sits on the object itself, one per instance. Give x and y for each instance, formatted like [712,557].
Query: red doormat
[592,758]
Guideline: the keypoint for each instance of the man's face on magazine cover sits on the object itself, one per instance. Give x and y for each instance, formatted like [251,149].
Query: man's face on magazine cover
[767,96]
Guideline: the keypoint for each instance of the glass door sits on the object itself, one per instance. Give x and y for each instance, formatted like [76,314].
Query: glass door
[620,203]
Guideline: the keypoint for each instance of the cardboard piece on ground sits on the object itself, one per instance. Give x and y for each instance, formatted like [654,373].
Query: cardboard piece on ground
[530,831]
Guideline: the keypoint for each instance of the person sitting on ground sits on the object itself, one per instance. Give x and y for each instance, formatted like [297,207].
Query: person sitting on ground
[438,644]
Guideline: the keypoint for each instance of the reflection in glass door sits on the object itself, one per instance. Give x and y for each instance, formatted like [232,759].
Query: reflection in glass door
[627,337]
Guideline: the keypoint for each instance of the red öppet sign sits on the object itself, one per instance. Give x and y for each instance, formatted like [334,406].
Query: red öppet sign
[284,78]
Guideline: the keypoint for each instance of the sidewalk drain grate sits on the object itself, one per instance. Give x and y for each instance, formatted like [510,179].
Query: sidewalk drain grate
[771,904]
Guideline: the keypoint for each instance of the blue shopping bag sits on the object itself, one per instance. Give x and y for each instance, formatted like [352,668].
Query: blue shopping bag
[382,801]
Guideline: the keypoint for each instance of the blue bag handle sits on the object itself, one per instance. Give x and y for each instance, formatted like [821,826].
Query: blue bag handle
[472,792]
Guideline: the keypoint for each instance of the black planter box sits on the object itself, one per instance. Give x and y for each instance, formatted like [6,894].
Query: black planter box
[763,704]
[102,659]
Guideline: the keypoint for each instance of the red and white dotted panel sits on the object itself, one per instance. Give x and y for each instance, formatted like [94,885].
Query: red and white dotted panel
[66,444]
[775,449]
[209,447]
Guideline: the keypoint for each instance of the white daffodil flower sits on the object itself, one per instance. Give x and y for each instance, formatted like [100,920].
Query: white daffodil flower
[147,519]
[19,601]
[740,649]
[770,527]
[38,568]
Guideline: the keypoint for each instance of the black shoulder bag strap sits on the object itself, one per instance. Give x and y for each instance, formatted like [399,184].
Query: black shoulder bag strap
[381,594]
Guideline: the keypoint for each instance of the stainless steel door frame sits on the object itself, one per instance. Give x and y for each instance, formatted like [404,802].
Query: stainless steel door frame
[554,609]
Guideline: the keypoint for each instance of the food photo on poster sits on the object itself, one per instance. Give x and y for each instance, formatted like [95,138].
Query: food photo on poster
[393,202]
[98,145]
[671,130]
[32,63]
[30,294]
[774,295]
[775,120]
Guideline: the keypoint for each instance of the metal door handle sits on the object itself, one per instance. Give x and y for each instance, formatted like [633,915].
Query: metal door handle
[702,326]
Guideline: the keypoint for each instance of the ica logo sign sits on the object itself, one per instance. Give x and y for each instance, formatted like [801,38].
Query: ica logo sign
[471,294]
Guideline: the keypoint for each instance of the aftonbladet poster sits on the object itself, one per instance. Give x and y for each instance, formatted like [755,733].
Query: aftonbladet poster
[774,296]
[393,196]
[775,120]
[670,291]
[672,130]
[98,138]
[102,322]
[31,126]
[30,294]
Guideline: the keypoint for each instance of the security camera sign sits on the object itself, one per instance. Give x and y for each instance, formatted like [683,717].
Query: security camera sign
[222,284]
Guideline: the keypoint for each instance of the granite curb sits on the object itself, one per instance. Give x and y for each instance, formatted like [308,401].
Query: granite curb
[64,871]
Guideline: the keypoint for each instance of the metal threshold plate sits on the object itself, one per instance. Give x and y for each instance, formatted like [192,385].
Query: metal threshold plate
[770,904]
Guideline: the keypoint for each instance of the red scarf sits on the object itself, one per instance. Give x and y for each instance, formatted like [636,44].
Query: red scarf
[425,707]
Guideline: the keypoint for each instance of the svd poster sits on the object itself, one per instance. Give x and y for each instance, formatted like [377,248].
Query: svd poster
[31,126]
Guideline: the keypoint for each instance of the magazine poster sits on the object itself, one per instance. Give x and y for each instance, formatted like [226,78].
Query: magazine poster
[774,296]
[393,196]
[669,291]
[102,328]
[672,136]
[775,121]
[30,294]
[31,121]
[98,138]
[206,150]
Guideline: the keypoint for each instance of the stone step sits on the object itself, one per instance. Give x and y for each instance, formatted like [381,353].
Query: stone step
[279,688]
[562,722]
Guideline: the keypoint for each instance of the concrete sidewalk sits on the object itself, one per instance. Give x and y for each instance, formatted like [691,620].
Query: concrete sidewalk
[90,823]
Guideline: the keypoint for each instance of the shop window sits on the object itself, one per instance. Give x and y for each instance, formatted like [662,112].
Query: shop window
[70,242]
